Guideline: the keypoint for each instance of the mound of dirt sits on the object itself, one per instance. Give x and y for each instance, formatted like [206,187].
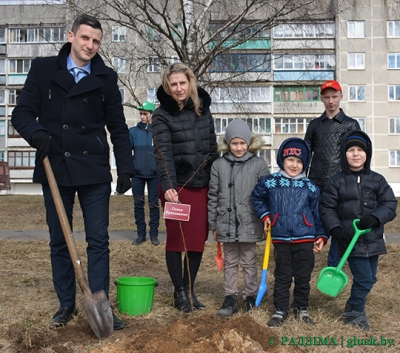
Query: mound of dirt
[188,334]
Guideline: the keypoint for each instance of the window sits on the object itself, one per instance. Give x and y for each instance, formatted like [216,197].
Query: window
[356,61]
[394,93]
[394,61]
[19,66]
[12,96]
[393,29]
[302,30]
[21,159]
[154,65]
[12,132]
[291,125]
[356,93]
[304,62]
[394,158]
[296,94]
[235,32]
[118,33]
[152,34]
[175,59]
[355,29]
[2,156]
[394,125]
[362,122]
[119,65]
[2,35]
[2,66]
[2,128]
[260,94]
[241,62]
[122,91]
[178,33]
[152,95]
[256,125]
[2,102]
[52,34]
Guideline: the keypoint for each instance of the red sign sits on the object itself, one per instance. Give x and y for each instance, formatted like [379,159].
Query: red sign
[176,211]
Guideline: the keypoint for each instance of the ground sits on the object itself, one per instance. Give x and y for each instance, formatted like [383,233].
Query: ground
[193,333]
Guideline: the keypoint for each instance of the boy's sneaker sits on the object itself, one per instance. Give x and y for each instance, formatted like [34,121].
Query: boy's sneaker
[155,241]
[249,303]
[229,307]
[302,315]
[277,318]
[356,318]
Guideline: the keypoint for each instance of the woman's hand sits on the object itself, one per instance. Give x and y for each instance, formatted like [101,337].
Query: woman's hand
[171,195]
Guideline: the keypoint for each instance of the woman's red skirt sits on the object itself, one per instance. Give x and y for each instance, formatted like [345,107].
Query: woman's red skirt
[194,231]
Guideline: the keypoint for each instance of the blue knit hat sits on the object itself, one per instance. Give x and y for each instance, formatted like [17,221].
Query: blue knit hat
[295,149]
[356,140]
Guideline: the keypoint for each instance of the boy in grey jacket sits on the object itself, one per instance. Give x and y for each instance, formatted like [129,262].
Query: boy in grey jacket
[231,216]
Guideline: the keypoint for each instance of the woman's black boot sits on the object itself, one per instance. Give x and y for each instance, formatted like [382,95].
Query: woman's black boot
[196,304]
[181,300]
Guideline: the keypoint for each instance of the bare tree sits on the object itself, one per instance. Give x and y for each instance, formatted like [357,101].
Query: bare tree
[205,34]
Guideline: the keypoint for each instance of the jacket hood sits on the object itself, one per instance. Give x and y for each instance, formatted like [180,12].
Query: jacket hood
[171,106]
[279,159]
[343,159]
[255,145]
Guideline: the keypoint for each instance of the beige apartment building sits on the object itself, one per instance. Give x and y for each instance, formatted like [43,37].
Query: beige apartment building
[358,45]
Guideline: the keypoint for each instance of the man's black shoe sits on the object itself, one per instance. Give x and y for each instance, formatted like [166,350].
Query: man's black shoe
[62,316]
[139,240]
[118,323]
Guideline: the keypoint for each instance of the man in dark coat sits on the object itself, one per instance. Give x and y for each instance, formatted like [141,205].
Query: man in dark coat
[64,107]
[323,135]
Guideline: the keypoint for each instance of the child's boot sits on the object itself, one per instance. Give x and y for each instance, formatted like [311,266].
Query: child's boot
[277,318]
[229,307]
[356,318]
[302,315]
[249,303]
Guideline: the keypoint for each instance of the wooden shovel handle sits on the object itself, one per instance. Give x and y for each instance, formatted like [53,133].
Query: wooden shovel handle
[66,228]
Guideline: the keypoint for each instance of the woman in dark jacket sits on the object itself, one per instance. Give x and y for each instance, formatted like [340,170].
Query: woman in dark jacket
[185,145]
[358,193]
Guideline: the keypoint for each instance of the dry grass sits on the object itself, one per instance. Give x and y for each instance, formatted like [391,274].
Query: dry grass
[28,300]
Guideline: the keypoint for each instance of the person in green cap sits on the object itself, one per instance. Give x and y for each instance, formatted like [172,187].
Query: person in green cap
[145,173]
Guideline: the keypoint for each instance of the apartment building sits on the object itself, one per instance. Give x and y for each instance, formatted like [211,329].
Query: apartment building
[358,45]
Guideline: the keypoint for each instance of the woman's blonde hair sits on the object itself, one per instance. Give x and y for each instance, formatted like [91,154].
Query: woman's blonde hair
[193,94]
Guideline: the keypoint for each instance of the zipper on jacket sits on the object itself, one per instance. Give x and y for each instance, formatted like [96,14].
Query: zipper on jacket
[362,208]
[49,93]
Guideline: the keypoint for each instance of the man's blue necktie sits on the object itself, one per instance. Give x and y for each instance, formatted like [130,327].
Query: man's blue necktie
[78,73]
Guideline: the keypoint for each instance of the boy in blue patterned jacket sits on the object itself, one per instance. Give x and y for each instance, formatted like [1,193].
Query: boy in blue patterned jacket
[288,201]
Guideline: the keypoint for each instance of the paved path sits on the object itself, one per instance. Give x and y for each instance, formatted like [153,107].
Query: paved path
[118,235]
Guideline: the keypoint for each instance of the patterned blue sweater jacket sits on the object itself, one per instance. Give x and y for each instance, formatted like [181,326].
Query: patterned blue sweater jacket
[292,205]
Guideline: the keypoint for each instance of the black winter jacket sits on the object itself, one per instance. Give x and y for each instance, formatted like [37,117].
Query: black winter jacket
[350,195]
[185,144]
[324,136]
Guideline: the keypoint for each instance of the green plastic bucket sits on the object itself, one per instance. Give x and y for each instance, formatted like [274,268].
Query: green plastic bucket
[135,295]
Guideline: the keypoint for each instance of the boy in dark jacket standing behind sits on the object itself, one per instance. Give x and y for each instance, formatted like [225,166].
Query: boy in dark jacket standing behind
[288,201]
[144,162]
[358,193]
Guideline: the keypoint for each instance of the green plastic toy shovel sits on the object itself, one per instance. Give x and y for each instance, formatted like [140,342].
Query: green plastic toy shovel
[332,280]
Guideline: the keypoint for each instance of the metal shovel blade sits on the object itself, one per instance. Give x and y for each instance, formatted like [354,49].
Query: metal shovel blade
[262,289]
[98,313]
[332,281]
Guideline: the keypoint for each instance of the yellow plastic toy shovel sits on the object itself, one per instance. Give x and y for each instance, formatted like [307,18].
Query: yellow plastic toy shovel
[263,285]
[332,280]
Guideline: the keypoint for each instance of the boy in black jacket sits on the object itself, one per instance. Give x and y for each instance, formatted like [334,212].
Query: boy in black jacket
[358,193]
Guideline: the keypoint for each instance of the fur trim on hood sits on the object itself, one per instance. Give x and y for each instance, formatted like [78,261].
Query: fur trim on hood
[171,106]
[256,144]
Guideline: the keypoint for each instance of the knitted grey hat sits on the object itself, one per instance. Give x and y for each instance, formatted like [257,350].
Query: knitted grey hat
[238,128]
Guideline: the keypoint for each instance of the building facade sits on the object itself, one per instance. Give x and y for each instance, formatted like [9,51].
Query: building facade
[357,45]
